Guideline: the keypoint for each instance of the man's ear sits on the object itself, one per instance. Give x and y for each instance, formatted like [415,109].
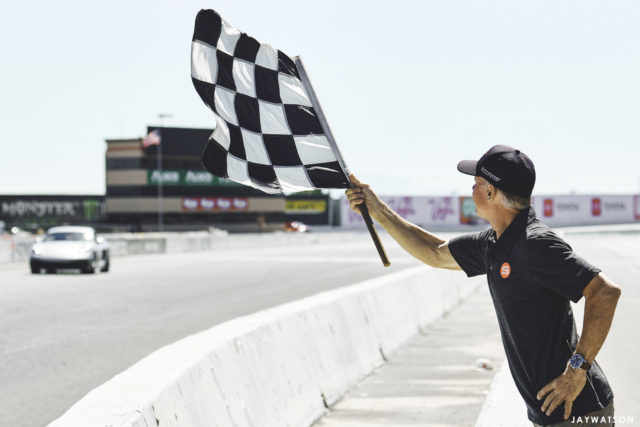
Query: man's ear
[492,192]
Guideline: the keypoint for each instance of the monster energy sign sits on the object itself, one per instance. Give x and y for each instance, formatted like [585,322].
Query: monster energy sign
[51,209]
[186,177]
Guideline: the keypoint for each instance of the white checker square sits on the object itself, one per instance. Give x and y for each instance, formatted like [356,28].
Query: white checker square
[204,64]
[292,91]
[244,77]
[254,147]
[229,37]
[272,119]
[267,57]
[224,104]
[237,170]
[314,149]
[221,133]
[293,179]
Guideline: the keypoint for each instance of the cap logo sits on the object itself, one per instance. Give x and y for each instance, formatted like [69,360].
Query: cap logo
[490,175]
[505,270]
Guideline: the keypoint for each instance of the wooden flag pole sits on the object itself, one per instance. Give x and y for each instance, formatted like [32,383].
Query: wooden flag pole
[374,234]
[327,131]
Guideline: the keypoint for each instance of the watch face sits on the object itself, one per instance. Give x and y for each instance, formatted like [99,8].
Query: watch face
[576,360]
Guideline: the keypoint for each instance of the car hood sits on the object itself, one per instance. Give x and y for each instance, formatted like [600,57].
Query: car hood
[66,250]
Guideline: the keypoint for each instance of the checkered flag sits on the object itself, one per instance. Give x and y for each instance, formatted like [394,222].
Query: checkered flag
[270,132]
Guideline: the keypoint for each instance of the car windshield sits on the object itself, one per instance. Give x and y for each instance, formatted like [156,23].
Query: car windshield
[68,237]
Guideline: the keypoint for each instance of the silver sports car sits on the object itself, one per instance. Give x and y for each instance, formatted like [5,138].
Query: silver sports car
[70,247]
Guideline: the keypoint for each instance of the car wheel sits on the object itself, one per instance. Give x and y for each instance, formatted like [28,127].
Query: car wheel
[51,270]
[105,268]
[91,266]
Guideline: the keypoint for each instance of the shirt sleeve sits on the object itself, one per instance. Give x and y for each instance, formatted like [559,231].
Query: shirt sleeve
[470,252]
[555,266]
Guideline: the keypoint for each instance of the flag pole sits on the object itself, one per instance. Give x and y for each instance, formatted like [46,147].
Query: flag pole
[327,131]
[159,168]
[161,116]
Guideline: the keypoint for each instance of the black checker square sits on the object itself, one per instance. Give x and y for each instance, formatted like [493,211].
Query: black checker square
[281,150]
[247,48]
[263,175]
[225,71]
[206,91]
[236,145]
[267,86]
[247,112]
[286,65]
[208,27]
[327,175]
[302,120]
[214,159]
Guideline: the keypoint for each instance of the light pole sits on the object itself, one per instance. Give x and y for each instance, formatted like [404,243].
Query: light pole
[161,116]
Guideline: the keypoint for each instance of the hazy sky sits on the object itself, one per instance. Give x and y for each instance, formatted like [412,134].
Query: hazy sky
[409,87]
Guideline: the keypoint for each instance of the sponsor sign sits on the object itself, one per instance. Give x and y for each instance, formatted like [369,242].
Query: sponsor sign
[214,204]
[310,206]
[186,177]
[596,206]
[68,209]
[584,210]
[418,210]
[562,210]
[548,208]
[468,213]
[155,177]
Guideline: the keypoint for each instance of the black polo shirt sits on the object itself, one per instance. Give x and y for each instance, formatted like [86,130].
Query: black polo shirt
[532,275]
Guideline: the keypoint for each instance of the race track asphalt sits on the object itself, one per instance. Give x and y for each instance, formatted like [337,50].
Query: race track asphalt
[65,334]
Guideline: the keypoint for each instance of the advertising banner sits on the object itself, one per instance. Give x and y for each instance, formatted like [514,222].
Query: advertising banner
[186,178]
[215,204]
[305,206]
[468,215]
[568,210]
[423,211]
[555,210]
[51,210]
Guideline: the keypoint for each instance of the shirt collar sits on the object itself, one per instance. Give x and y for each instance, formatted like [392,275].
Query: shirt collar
[515,229]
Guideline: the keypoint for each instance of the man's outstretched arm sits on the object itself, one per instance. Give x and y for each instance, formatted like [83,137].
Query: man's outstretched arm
[423,245]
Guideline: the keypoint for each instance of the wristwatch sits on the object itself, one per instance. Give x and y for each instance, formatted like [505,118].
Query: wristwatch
[577,362]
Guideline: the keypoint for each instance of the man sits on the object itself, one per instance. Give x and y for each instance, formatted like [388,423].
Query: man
[532,274]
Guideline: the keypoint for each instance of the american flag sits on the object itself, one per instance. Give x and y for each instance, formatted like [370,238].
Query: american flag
[152,139]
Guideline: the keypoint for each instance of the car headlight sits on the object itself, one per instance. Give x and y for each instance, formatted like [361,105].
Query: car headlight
[36,250]
[84,251]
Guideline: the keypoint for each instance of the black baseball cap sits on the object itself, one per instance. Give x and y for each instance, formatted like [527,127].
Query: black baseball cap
[506,168]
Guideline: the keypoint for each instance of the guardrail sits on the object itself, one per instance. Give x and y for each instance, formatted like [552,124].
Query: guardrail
[278,367]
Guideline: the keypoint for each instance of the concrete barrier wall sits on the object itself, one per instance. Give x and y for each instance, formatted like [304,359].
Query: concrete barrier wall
[16,248]
[278,367]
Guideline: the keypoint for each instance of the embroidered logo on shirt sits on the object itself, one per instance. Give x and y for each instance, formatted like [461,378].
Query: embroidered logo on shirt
[505,270]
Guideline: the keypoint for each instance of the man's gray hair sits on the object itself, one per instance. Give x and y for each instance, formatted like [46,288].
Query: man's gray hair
[512,201]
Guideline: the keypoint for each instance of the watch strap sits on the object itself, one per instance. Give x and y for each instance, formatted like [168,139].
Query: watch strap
[585,365]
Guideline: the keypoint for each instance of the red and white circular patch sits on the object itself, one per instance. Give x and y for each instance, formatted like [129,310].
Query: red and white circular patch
[505,270]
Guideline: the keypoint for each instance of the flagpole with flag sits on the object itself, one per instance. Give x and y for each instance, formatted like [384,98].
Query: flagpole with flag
[271,133]
[155,138]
